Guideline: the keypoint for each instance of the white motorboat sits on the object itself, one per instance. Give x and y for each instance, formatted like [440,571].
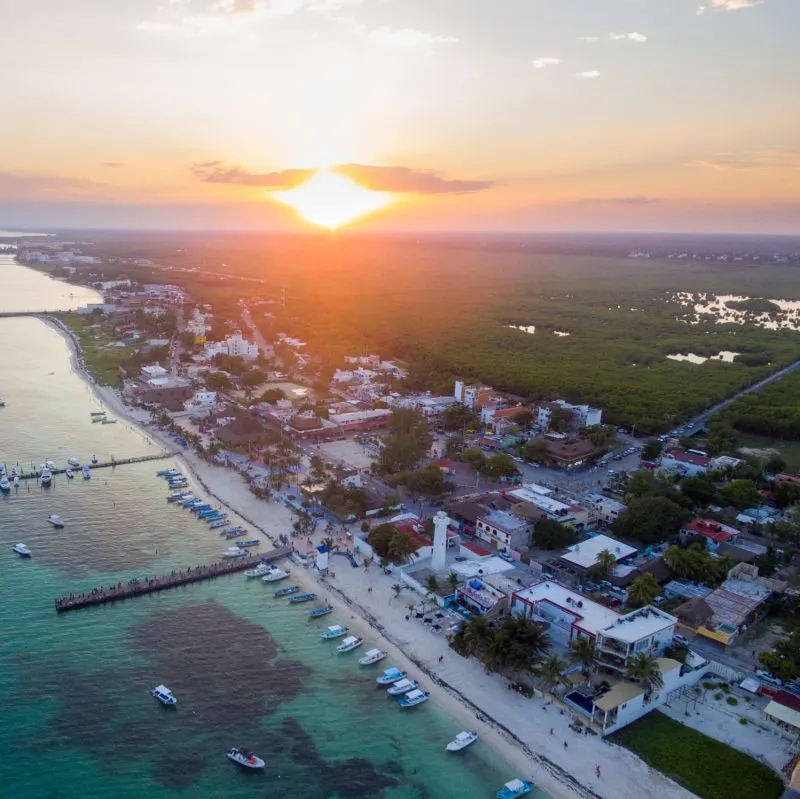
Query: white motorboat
[390,675]
[349,643]
[50,465]
[274,574]
[5,486]
[235,552]
[164,695]
[22,550]
[46,477]
[244,757]
[87,475]
[55,520]
[16,480]
[259,570]
[74,463]
[70,474]
[94,459]
[402,687]
[415,697]
[462,741]
[373,656]
[334,631]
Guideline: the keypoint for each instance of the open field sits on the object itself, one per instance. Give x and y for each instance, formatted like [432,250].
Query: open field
[708,768]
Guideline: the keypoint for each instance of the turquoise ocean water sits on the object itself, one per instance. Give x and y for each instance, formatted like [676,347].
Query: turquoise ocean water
[77,717]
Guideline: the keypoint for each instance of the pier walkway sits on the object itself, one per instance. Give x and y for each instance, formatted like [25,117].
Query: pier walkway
[149,585]
[34,474]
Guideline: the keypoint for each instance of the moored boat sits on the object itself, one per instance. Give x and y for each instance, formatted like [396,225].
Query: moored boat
[234,552]
[97,413]
[462,741]
[289,589]
[390,676]
[110,421]
[258,571]
[74,463]
[87,475]
[94,460]
[300,598]
[244,757]
[514,788]
[55,520]
[372,656]
[274,575]
[164,695]
[177,496]
[69,474]
[218,523]
[402,687]
[231,528]
[253,542]
[323,611]
[46,477]
[22,550]
[415,697]
[349,644]
[334,631]
[167,472]
[5,485]
[98,418]
[235,534]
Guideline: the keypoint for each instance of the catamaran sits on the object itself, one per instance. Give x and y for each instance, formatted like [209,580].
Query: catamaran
[349,644]
[390,676]
[334,631]
[402,687]
[373,656]
[462,741]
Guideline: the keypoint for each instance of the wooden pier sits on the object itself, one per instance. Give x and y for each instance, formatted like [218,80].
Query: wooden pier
[34,474]
[149,585]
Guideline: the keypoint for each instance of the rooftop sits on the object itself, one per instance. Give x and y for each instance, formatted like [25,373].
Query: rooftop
[639,624]
[503,520]
[481,568]
[681,456]
[550,506]
[606,502]
[715,531]
[589,616]
[584,554]
[735,600]
[620,694]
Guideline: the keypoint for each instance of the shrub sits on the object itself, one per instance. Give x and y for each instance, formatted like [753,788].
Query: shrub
[742,721]
[718,695]
[732,700]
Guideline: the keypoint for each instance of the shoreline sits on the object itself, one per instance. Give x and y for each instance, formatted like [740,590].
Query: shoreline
[513,737]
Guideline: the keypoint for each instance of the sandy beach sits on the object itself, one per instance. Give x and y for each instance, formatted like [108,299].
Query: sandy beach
[532,735]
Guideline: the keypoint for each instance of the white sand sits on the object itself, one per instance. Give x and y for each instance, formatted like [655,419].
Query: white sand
[518,729]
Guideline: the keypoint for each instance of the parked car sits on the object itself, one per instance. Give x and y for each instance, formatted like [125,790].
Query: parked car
[681,640]
[769,678]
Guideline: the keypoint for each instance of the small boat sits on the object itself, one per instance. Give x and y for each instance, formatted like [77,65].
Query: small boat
[218,523]
[390,676]
[5,485]
[300,598]
[275,574]
[110,421]
[55,520]
[402,687]
[235,534]
[164,695]
[175,496]
[87,475]
[22,550]
[50,465]
[373,656]
[349,644]
[98,418]
[178,483]
[415,697]
[166,472]
[70,474]
[94,460]
[334,631]
[46,477]
[244,758]
[289,589]
[97,413]
[235,552]
[16,481]
[253,542]
[202,514]
[188,501]
[197,509]
[323,611]
[74,463]
[259,570]
[232,529]
[215,517]
[514,788]
[462,741]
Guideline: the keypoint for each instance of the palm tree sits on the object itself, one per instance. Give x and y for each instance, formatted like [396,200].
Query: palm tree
[582,651]
[431,583]
[401,547]
[397,588]
[497,654]
[477,635]
[453,579]
[643,590]
[644,668]
[551,672]
[675,558]
[605,563]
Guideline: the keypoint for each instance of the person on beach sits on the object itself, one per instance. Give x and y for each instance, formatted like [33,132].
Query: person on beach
[597,770]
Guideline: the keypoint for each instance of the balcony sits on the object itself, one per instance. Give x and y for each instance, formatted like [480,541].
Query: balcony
[608,644]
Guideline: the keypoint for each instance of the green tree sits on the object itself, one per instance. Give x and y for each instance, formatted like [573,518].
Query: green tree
[401,548]
[643,668]
[453,579]
[549,534]
[775,464]
[643,590]
[218,381]
[427,482]
[272,395]
[700,489]
[651,520]
[551,672]
[380,537]
[407,442]
[741,494]
[253,378]
[603,566]
[432,584]
[536,451]
[499,465]
[397,588]
[474,457]
[786,494]
[581,650]
[651,449]
[476,635]
[459,417]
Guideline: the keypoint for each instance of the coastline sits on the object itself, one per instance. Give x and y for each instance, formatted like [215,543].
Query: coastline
[563,763]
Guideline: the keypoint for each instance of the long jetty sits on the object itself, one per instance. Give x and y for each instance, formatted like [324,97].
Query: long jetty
[150,585]
[34,475]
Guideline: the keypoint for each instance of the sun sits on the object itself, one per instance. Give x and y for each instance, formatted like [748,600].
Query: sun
[330,200]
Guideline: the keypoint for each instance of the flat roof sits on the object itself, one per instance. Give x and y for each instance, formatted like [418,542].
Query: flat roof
[504,520]
[639,624]
[585,553]
[620,694]
[783,713]
[589,616]
[541,501]
[481,568]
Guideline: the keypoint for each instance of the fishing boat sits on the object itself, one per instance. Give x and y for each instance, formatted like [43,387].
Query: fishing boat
[50,464]
[289,589]
[300,598]
[234,552]
[87,475]
[98,418]
[94,460]
[69,474]
[16,481]
[275,574]
[164,695]
[514,788]
[55,520]
[110,421]
[373,656]
[188,501]
[167,472]
[97,413]
[259,570]
[462,741]
[415,697]
[21,550]
[323,611]
[46,477]
[216,516]
[218,523]
[197,509]
[402,687]
[231,528]
[203,514]
[390,676]
[74,463]
[180,482]
[176,496]
[334,631]
[349,644]
[235,534]
[253,542]
[5,485]
[244,757]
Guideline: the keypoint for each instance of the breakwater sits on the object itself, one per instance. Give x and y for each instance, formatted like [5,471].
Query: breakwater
[150,585]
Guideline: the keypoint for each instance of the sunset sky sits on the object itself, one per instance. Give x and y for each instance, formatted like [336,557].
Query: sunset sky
[469,114]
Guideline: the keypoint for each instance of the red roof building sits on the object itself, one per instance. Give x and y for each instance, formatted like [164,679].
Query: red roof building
[714,531]
[476,548]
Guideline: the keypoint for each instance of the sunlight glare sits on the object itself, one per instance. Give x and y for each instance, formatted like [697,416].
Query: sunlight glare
[330,200]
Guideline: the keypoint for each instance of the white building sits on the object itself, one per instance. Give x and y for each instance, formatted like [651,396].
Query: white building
[582,415]
[502,530]
[154,372]
[202,400]
[473,396]
[646,630]
[603,509]
[584,554]
[234,344]
[571,514]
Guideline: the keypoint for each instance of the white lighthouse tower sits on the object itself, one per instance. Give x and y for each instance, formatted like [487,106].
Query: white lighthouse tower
[439,554]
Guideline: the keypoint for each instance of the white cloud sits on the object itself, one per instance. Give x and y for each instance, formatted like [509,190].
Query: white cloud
[639,38]
[700,10]
[541,63]
[735,5]
[589,39]
[591,73]
[402,37]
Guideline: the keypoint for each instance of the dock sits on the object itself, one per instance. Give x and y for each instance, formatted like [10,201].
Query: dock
[150,585]
[34,474]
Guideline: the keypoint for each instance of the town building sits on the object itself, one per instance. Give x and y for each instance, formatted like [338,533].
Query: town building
[712,532]
[233,344]
[582,415]
[583,555]
[603,509]
[685,463]
[646,630]
[502,530]
[361,420]
[202,400]
[570,454]
[473,396]
[566,513]
[154,374]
